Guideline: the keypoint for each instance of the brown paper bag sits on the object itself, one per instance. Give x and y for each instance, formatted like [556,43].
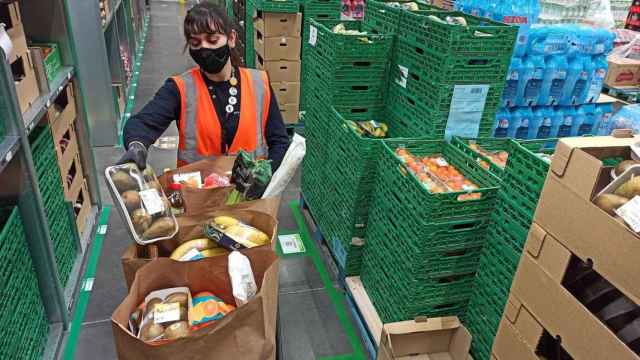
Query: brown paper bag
[191,227]
[246,333]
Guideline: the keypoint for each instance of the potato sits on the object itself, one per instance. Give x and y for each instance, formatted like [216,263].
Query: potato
[141,220]
[131,200]
[629,189]
[610,202]
[124,182]
[160,228]
[151,331]
[150,306]
[624,165]
[177,330]
[178,297]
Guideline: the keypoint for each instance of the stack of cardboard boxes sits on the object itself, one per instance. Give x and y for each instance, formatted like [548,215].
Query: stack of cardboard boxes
[277,43]
[577,288]
[62,119]
[21,61]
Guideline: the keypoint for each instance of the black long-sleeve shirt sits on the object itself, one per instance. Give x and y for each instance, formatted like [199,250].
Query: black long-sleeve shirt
[156,116]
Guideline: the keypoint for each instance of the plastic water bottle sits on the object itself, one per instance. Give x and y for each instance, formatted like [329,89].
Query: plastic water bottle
[556,66]
[510,92]
[520,120]
[531,81]
[603,114]
[520,47]
[575,84]
[568,116]
[542,121]
[503,119]
[597,78]
[589,120]
[557,119]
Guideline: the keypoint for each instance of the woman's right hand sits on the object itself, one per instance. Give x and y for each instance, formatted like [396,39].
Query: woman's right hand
[136,153]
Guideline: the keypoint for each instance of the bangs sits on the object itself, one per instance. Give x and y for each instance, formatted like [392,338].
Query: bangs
[202,23]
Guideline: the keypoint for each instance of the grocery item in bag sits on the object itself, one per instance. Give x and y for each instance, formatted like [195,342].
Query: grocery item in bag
[242,281]
[232,234]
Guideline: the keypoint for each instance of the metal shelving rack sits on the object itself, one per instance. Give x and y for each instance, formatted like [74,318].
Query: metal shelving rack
[76,27]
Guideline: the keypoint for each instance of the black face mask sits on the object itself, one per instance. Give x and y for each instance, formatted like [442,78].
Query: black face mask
[211,61]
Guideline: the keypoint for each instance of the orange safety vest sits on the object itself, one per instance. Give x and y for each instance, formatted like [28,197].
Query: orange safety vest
[199,128]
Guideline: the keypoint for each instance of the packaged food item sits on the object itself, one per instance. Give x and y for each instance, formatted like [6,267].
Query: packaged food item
[165,315]
[250,178]
[191,179]
[371,128]
[175,198]
[207,308]
[197,249]
[242,281]
[214,181]
[232,234]
[292,159]
[141,203]
[499,158]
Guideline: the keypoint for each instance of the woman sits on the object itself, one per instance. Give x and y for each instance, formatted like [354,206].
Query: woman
[220,107]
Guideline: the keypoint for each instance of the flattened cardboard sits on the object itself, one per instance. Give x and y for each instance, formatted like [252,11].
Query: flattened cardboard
[258,214]
[622,72]
[290,113]
[61,122]
[280,70]
[565,211]
[18,41]
[286,92]
[71,190]
[277,48]
[85,210]
[434,338]
[246,333]
[509,345]
[365,307]
[27,87]
[583,335]
[278,24]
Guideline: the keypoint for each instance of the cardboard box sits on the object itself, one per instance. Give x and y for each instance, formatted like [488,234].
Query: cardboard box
[537,287]
[280,71]
[365,307]
[62,113]
[278,24]
[286,92]
[290,113]
[565,210]
[10,17]
[82,215]
[423,339]
[277,48]
[18,41]
[72,177]
[26,85]
[249,332]
[622,72]
[509,344]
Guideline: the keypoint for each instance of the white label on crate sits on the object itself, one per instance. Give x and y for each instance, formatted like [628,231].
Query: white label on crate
[152,201]
[630,213]
[313,35]
[465,112]
[404,74]
[291,244]
[166,312]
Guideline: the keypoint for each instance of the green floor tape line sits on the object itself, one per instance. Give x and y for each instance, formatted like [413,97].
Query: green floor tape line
[336,297]
[87,284]
[133,87]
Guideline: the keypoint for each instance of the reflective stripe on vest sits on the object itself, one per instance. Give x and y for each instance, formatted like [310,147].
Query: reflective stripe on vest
[254,107]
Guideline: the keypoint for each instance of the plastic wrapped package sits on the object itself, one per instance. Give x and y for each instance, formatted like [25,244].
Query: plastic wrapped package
[232,234]
[290,162]
[141,202]
[242,280]
[250,178]
[628,117]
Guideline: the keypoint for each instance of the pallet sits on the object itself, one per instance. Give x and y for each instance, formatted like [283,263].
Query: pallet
[365,314]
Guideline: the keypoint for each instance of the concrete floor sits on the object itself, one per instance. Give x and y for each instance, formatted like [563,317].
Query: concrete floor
[308,324]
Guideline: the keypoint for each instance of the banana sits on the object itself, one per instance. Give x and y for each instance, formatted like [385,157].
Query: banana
[214,252]
[225,221]
[198,244]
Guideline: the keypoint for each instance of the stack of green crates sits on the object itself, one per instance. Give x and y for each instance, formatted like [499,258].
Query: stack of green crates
[278,6]
[321,9]
[522,182]
[249,47]
[422,248]
[383,17]
[432,59]
[62,227]
[23,323]
[347,71]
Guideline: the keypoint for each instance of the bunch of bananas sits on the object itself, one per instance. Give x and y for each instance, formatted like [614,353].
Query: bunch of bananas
[371,128]
[205,248]
[242,233]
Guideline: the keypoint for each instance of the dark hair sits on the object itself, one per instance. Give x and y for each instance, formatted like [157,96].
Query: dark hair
[207,18]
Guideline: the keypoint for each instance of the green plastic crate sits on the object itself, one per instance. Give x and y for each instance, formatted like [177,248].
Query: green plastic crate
[441,68]
[409,116]
[249,49]
[52,59]
[366,47]
[23,323]
[481,37]
[278,6]
[321,9]
[60,221]
[383,17]
[433,207]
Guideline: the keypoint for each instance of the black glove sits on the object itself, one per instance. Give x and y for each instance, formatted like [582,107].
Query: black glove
[137,154]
